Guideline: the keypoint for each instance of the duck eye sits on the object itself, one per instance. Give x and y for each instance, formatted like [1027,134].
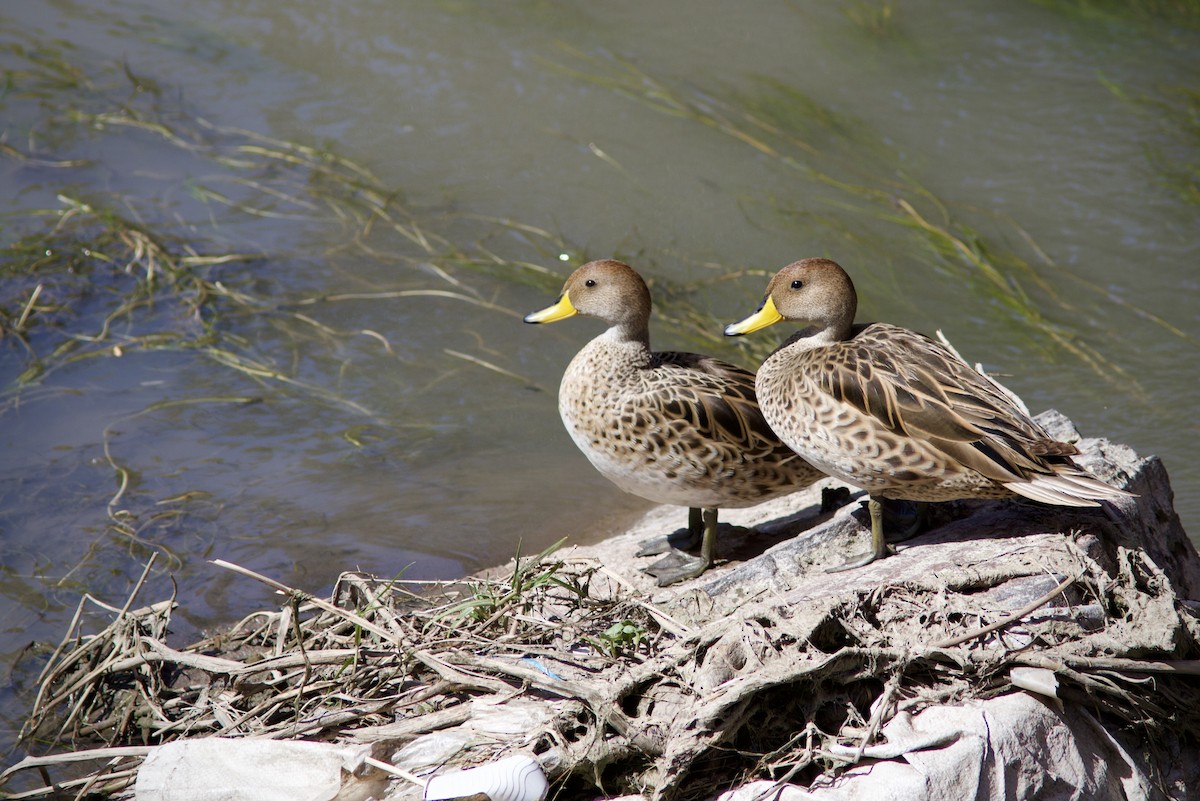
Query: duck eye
[590,282]
[797,284]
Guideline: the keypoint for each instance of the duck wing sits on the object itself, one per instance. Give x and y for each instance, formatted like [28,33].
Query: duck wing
[715,398]
[915,388]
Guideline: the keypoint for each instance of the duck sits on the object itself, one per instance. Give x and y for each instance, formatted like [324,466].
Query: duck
[671,427]
[896,413]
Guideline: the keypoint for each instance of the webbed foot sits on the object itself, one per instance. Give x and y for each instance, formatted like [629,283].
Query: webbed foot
[861,561]
[677,566]
[681,540]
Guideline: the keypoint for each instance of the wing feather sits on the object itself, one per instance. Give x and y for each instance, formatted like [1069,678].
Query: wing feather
[911,385]
[717,398]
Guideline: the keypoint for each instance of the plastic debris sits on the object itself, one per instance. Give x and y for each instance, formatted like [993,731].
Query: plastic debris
[517,778]
[247,769]
[1041,681]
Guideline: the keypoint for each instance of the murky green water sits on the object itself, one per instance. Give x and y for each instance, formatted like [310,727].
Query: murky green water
[1012,175]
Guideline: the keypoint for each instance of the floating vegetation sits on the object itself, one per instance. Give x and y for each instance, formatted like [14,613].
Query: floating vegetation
[1181,106]
[1178,109]
[78,288]
[860,176]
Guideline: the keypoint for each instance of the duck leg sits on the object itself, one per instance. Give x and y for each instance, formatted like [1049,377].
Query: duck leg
[683,539]
[678,566]
[708,545]
[879,546]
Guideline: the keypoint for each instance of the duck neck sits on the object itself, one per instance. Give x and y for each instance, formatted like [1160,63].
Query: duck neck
[638,332]
[815,336]
[621,347]
[829,334]
[607,360]
[630,332]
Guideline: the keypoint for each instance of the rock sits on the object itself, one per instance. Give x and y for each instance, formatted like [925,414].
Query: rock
[771,644]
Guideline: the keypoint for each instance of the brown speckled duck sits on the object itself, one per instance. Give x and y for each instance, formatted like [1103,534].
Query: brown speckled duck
[896,413]
[674,428]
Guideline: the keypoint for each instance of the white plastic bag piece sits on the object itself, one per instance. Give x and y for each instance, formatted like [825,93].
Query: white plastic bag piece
[246,769]
[518,778]
[1035,680]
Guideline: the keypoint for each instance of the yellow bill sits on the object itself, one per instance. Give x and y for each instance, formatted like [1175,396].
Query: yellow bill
[766,315]
[561,310]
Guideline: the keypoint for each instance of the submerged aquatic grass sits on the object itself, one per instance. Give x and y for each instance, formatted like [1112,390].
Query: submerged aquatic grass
[78,272]
[876,17]
[1123,12]
[189,262]
[862,178]
[1177,108]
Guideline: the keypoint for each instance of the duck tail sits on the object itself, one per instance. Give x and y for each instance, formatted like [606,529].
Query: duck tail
[1067,489]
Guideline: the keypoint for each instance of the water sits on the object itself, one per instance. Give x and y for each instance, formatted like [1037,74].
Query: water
[421,461]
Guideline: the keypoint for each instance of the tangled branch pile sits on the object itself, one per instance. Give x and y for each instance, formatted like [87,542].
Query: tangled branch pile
[791,676]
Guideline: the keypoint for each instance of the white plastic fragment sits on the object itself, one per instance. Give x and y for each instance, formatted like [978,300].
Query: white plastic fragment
[518,778]
[247,769]
[490,720]
[1036,680]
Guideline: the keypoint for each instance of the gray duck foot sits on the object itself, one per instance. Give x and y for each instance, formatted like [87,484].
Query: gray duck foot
[681,540]
[861,561]
[676,566]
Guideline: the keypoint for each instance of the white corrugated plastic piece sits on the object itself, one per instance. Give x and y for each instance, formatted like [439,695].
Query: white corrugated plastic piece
[518,778]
